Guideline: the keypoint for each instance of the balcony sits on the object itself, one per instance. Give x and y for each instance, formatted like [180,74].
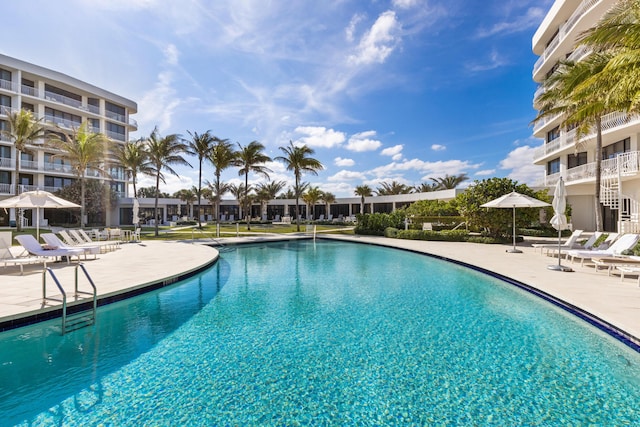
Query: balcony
[93,109]
[50,96]
[115,116]
[117,136]
[7,85]
[7,163]
[64,123]
[57,167]
[564,30]
[29,164]
[625,164]
[5,111]
[6,188]
[568,139]
[31,91]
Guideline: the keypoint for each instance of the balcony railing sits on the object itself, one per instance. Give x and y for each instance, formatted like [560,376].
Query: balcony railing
[50,96]
[5,138]
[29,164]
[117,136]
[52,189]
[565,29]
[115,116]
[57,167]
[7,162]
[5,111]
[568,139]
[65,123]
[625,164]
[7,85]
[31,91]
[6,188]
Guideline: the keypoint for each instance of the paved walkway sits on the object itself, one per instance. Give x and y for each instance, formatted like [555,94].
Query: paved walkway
[137,265]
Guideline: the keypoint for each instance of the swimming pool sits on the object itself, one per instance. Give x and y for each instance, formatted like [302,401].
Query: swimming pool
[322,333]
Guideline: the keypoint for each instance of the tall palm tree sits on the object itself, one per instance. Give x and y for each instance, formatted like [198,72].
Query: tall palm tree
[83,149]
[363,191]
[24,129]
[201,146]
[426,187]
[449,182]
[164,152]
[311,197]
[134,159]
[251,158]
[328,198]
[222,156]
[582,109]
[298,160]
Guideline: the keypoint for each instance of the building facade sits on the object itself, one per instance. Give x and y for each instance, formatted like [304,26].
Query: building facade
[562,154]
[62,102]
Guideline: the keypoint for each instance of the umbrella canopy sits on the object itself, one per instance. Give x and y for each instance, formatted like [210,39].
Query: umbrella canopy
[515,200]
[136,212]
[39,200]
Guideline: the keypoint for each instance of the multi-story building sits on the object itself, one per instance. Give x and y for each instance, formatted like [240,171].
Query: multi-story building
[61,102]
[562,154]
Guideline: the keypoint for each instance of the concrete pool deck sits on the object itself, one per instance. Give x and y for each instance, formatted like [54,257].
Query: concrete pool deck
[137,265]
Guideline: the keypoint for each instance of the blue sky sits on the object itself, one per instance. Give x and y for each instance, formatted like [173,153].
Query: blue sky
[401,90]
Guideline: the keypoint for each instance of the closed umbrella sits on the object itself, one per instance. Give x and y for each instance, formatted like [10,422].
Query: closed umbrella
[136,212]
[559,220]
[37,199]
[515,200]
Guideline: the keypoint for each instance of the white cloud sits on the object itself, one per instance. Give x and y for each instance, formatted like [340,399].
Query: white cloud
[319,136]
[173,183]
[339,161]
[520,162]
[339,189]
[494,61]
[486,172]
[362,141]
[392,151]
[350,30]
[379,42]
[438,147]
[345,175]
[404,4]
[531,19]
[171,54]
[428,169]
[158,105]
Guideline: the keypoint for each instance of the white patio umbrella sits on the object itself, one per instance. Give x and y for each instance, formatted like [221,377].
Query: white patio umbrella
[136,212]
[37,199]
[559,220]
[515,200]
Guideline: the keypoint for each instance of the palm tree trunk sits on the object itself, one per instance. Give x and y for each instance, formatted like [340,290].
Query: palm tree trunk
[297,207]
[247,207]
[199,193]
[83,208]
[17,190]
[155,206]
[598,207]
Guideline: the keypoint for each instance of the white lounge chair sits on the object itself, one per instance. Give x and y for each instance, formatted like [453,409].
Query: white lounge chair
[8,258]
[31,245]
[570,243]
[623,243]
[53,241]
[84,239]
[586,246]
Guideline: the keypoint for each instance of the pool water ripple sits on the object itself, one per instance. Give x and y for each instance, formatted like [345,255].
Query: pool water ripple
[336,334]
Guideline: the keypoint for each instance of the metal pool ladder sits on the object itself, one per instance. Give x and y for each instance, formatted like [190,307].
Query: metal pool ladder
[79,319]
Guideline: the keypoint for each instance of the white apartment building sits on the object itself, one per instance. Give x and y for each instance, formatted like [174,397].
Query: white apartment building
[63,101]
[574,161]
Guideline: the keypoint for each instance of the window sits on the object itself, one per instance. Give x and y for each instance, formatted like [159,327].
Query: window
[94,125]
[5,101]
[57,181]
[28,83]
[574,160]
[612,150]
[114,108]
[26,156]
[4,125]
[553,166]
[28,107]
[62,117]
[25,179]
[5,74]
[553,134]
[52,90]
[5,152]
[5,177]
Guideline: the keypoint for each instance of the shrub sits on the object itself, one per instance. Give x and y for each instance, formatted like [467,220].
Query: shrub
[391,232]
[442,236]
[376,223]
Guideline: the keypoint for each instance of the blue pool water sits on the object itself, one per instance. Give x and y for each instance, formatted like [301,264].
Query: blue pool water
[323,333]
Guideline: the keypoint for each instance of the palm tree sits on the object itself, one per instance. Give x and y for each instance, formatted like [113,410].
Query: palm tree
[363,191]
[449,182]
[83,149]
[201,146]
[269,191]
[240,193]
[188,196]
[133,157]
[393,188]
[298,160]
[583,109]
[311,197]
[425,187]
[222,156]
[164,152]
[24,129]
[251,158]
[328,199]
